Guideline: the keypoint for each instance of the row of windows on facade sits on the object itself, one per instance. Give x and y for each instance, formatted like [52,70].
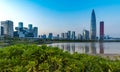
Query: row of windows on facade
[7,30]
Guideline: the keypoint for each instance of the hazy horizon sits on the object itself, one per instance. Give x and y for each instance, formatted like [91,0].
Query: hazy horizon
[59,16]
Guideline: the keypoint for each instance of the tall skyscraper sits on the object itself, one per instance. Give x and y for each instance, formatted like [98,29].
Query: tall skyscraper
[8,27]
[20,30]
[85,34]
[69,35]
[62,36]
[30,26]
[35,31]
[73,35]
[20,26]
[93,26]
[101,30]
[80,37]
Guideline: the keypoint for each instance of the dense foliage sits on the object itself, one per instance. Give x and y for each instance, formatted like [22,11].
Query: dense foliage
[33,58]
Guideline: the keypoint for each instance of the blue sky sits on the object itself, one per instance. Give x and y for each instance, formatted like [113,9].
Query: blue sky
[59,16]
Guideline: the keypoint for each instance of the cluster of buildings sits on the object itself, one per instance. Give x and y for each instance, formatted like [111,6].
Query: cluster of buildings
[7,29]
[86,34]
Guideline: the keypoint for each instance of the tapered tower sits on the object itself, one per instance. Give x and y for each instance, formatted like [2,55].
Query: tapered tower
[93,26]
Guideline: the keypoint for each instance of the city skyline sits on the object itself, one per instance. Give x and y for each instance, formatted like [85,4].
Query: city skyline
[60,16]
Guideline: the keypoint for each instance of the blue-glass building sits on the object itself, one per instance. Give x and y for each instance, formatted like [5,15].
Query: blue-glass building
[73,35]
[50,36]
[30,26]
[20,26]
[93,26]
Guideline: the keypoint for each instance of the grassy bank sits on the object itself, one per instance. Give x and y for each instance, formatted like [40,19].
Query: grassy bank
[33,58]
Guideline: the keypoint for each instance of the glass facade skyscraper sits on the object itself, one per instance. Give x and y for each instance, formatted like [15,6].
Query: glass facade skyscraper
[7,27]
[93,26]
[73,35]
[20,26]
[35,31]
[101,30]
[69,35]
[30,26]
[85,34]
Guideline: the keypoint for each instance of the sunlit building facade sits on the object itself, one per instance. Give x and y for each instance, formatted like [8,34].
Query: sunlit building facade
[7,28]
[101,30]
[93,26]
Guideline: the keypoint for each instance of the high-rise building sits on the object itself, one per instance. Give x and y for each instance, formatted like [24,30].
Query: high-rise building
[20,26]
[62,36]
[65,35]
[80,37]
[50,36]
[69,35]
[2,31]
[20,30]
[73,35]
[58,36]
[26,32]
[8,27]
[85,34]
[35,31]
[101,30]
[30,26]
[93,26]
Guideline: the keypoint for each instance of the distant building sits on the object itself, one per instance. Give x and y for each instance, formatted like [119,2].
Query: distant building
[85,34]
[20,30]
[80,37]
[16,34]
[30,26]
[101,30]
[93,26]
[43,36]
[73,35]
[7,28]
[62,36]
[26,32]
[20,26]
[50,36]
[69,35]
[35,31]
[2,31]
[65,35]
[58,37]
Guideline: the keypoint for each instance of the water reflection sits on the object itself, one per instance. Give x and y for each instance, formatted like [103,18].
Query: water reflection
[93,48]
[88,48]
[68,47]
[101,48]
[73,47]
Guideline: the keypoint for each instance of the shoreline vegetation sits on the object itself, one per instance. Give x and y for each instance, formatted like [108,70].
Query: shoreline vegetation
[34,58]
[15,40]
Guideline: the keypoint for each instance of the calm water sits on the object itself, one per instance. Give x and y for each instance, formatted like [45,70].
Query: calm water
[90,48]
